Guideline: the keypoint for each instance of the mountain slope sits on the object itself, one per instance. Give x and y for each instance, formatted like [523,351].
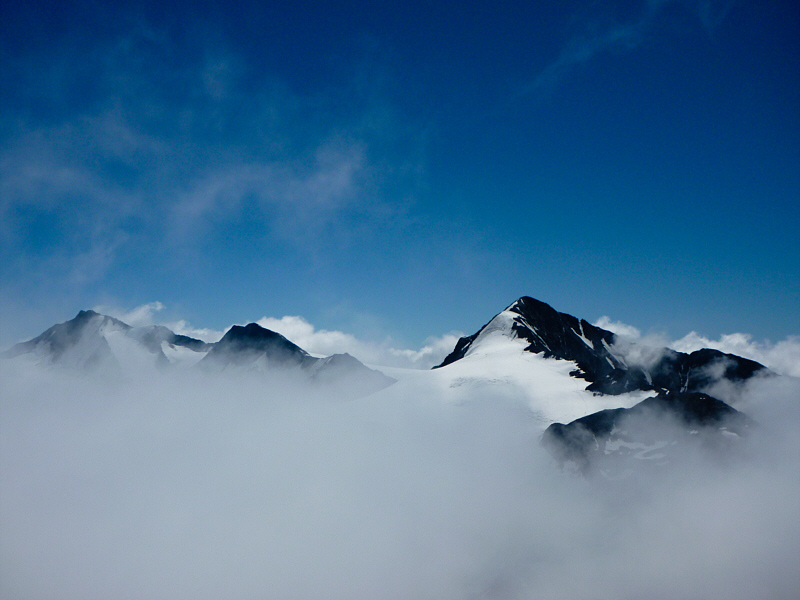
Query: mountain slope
[92,342]
[254,348]
[609,365]
[80,342]
[655,430]
[95,342]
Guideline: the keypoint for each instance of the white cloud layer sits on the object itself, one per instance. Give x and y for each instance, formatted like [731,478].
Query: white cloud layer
[196,488]
[782,357]
[321,342]
[618,327]
[325,343]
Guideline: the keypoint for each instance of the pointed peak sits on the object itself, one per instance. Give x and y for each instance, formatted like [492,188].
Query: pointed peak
[251,331]
[254,338]
[528,304]
[86,314]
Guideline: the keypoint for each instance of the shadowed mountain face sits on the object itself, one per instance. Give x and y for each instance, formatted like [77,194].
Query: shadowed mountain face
[77,343]
[655,430]
[679,416]
[255,348]
[92,342]
[83,343]
[245,346]
[602,362]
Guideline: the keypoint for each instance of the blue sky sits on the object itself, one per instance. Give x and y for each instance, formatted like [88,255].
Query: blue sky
[401,170]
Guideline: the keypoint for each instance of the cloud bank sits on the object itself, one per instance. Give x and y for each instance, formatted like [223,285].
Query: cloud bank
[200,488]
[320,342]
[325,343]
[782,357]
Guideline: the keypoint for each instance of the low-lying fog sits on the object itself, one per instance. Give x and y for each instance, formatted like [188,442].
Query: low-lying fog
[187,487]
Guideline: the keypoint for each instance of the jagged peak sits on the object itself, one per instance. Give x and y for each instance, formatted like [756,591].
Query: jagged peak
[562,336]
[257,333]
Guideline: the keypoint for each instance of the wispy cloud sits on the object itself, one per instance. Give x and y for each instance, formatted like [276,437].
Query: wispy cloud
[325,343]
[296,199]
[618,327]
[167,143]
[139,316]
[598,36]
[782,357]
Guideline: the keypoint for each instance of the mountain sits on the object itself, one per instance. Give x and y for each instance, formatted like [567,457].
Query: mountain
[254,348]
[655,430]
[608,364]
[94,342]
[99,343]
[682,413]
[561,367]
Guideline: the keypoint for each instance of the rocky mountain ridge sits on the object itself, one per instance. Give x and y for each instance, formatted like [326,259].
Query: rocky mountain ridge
[92,342]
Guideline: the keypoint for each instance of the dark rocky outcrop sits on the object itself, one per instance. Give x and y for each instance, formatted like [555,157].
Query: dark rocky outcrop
[254,347]
[653,429]
[603,364]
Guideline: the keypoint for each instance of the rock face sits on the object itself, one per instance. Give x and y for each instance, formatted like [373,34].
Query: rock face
[92,341]
[95,342]
[655,430]
[609,365]
[680,414]
[254,348]
[251,345]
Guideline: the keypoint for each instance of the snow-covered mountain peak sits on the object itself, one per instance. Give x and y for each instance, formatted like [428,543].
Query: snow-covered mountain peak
[92,341]
[547,331]
[95,342]
[495,334]
[608,367]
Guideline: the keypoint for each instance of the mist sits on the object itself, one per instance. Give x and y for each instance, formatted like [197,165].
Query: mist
[186,486]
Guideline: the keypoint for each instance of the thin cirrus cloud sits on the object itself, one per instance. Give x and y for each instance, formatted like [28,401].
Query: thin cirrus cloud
[604,35]
[300,199]
[166,145]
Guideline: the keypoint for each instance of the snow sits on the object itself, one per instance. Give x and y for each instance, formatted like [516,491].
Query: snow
[181,356]
[637,449]
[498,369]
[583,337]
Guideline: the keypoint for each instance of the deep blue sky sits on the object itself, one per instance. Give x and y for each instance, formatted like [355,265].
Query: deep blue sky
[402,169]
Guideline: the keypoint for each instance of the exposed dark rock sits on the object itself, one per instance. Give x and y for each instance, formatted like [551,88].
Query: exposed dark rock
[243,346]
[81,342]
[602,365]
[254,346]
[652,429]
